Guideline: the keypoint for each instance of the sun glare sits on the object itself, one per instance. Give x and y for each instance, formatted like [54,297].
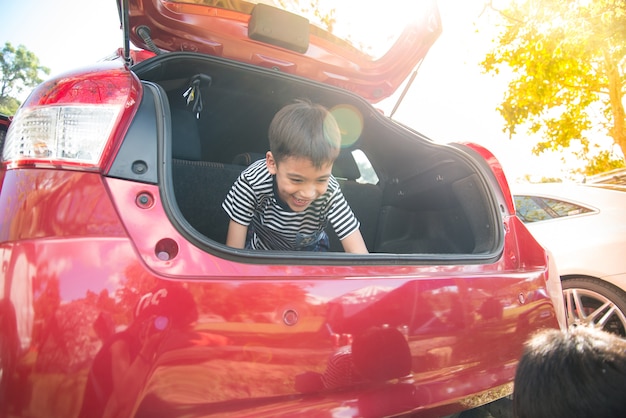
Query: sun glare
[367,26]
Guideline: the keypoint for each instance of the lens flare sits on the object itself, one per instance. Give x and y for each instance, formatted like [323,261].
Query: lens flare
[350,121]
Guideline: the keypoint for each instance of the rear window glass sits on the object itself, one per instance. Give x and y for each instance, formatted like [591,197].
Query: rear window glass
[535,208]
[368,175]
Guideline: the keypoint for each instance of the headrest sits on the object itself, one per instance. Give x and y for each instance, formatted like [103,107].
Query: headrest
[345,167]
[247,158]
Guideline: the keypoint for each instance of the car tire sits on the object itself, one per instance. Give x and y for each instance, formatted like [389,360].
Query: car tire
[592,302]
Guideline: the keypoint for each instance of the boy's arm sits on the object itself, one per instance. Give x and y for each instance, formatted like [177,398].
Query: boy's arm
[354,243]
[236,236]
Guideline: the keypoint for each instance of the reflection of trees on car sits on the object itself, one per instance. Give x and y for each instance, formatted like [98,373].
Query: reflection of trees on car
[121,365]
[535,208]
[267,299]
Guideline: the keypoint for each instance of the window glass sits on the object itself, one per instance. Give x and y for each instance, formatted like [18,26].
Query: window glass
[529,210]
[368,175]
[534,208]
[562,208]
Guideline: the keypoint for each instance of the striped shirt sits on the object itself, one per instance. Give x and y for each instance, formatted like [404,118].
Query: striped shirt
[252,201]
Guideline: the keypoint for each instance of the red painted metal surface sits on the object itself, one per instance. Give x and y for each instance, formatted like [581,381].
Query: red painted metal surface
[106,309]
[498,172]
[200,335]
[214,31]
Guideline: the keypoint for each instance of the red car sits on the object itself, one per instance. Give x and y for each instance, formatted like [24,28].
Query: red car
[119,297]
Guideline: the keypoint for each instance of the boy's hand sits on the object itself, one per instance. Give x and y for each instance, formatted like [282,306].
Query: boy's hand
[354,243]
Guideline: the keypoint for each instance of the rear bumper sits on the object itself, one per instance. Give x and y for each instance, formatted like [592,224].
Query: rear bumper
[81,254]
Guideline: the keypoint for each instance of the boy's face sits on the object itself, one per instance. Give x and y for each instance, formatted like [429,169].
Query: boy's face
[298,181]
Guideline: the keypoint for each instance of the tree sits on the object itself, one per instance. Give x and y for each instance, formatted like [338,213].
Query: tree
[19,69]
[568,60]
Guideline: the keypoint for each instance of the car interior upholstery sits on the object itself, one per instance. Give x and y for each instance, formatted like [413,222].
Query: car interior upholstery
[428,199]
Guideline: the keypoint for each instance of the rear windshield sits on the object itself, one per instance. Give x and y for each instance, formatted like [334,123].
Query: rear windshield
[366,26]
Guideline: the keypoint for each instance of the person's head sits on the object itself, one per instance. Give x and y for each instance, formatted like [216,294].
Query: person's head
[576,373]
[381,353]
[304,143]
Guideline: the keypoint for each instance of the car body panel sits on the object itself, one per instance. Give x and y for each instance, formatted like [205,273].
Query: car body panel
[587,244]
[222,32]
[585,227]
[111,304]
[196,262]
[581,258]
[258,331]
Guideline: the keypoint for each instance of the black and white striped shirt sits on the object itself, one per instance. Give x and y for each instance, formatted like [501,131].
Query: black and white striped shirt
[252,201]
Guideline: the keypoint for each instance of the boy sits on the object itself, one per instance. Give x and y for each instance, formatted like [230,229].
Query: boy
[285,201]
[576,373]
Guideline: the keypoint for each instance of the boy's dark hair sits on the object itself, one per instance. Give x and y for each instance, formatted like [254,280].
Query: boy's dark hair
[304,129]
[576,373]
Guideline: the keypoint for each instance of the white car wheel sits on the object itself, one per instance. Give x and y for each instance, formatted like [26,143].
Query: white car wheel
[591,302]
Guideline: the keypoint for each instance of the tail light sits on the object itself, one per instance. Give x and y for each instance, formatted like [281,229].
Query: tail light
[75,121]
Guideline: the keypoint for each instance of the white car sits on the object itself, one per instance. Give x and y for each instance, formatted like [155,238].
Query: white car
[584,226]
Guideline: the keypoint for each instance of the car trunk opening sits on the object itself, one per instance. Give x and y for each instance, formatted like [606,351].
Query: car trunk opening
[412,197]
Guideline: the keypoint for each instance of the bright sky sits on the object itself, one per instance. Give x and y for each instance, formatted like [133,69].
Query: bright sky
[450,100]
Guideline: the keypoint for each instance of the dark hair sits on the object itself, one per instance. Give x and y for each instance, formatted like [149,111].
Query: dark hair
[305,129]
[381,353]
[576,373]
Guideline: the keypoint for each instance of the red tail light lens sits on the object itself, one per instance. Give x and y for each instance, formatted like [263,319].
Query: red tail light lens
[74,121]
